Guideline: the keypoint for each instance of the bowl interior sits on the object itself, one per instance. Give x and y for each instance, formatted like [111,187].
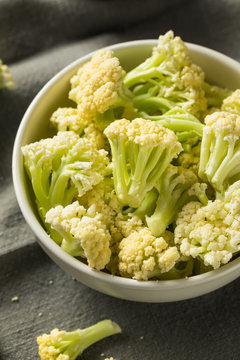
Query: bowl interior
[218,68]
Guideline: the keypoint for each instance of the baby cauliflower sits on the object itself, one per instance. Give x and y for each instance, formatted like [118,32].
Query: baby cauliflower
[143,256]
[84,233]
[141,151]
[220,149]
[168,78]
[68,345]
[65,119]
[232,103]
[98,90]
[211,232]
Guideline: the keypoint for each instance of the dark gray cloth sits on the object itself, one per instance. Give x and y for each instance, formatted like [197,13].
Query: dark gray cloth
[37,39]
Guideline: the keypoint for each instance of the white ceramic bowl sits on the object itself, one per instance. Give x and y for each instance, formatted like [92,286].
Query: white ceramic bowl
[219,69]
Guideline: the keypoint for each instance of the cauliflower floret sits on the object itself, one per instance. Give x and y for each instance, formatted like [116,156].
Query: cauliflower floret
[141,151]
[103,197]
[51,147]
[47,349]
[143,256]
[173,50]
[69,345]
[65,119]
[172,187]
[168,78]
[232,103]
[224,123]
[220,150]
[84,232]
[58,165]
[95,86]
[211,232]
[96,136]
[187,78]
[99,91]
[126,224]
[198,190]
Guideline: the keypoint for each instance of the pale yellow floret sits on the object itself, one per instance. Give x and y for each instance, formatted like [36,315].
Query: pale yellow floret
[140,253]
[191,79]
[95,240]
[126,224]
[103,197]
[46,342]
[96,84]
[88,227]
[175,48]
[90,172]
[225,123]
[65,119]
[61,217]
[143,132]
[96,136]
[199,190]
[168,258]
[45,148]
[186,75]
[232,103]
[211,232]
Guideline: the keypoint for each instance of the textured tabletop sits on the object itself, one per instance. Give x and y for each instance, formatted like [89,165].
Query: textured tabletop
[37,39]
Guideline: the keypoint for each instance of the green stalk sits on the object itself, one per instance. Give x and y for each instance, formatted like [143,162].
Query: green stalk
[120,171]
[215,94]
[216,156]
[156,103]
[148,205]
[163,162]
[146,70]
[168,204]
[182,125]
[186,136]
[227,167]
[172,114]
[58,187]
[81,339]
[205,153]
[146,164]
[71,245]
[36,179]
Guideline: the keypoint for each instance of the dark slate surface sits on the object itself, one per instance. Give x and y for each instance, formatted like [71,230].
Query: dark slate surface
[37,39]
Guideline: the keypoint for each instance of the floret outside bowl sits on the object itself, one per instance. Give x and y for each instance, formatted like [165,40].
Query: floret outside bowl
[220,70]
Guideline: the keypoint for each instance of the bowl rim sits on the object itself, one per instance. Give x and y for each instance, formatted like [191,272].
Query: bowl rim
[42,236]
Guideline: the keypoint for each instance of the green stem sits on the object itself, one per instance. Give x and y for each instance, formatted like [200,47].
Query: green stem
[156,103]
[120,170]
[205,152]
[89,336]
[148,205]
[230,163]
[182,125]
[216,156]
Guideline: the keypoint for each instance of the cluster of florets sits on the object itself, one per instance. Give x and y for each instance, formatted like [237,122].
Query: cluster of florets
[135,182]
